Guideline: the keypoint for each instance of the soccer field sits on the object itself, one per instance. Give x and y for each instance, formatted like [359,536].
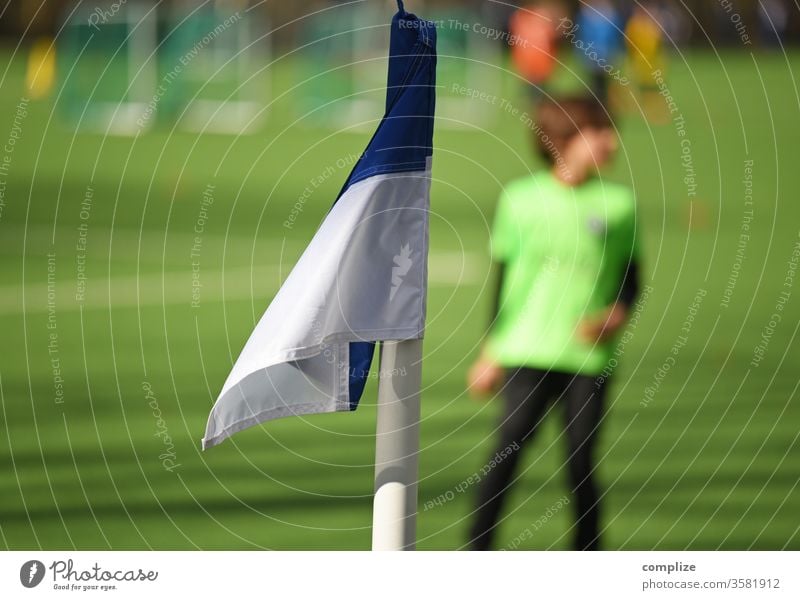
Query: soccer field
[135,268]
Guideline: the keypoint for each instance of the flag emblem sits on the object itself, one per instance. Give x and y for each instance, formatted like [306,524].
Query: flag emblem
[402,263]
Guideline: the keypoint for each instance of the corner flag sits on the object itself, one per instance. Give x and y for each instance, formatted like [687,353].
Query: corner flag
[363,277]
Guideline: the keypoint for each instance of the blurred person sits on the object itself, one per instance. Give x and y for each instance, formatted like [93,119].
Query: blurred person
[563,241]
[773,18]
[40,75]
[597,37]
[533,39]
[644,41]
[676,24]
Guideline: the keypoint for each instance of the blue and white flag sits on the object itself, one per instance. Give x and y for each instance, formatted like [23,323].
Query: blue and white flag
[363,277]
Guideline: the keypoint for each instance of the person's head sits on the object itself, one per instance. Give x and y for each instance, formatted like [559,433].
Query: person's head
[575,135]
[550,10]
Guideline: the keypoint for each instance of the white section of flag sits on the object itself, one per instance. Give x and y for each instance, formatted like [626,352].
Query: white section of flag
[363,277]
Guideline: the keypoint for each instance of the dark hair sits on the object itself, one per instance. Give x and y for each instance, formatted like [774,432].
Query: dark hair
[559,119]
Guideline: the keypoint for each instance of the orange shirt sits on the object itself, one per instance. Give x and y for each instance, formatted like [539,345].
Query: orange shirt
[533,45]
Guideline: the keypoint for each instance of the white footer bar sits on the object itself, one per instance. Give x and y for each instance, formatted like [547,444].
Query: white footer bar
[356,575]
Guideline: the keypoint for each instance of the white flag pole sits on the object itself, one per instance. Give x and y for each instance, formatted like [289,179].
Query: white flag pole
[394,517]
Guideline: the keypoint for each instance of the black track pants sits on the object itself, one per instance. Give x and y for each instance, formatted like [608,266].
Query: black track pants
[527,394]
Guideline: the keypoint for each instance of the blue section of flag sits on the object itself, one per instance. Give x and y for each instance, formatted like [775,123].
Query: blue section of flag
[360,361]
[404,139]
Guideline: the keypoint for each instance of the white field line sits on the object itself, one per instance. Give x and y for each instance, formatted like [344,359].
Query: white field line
[445,269]
[152,241]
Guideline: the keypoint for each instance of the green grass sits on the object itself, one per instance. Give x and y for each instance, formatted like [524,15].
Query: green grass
[711,462]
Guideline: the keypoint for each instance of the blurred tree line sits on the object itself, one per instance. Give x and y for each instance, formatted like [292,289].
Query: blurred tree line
[704,22]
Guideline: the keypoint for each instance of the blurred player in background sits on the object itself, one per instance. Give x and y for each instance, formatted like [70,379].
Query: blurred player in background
[563,241]
[599,29]
[644,41]
[534,43]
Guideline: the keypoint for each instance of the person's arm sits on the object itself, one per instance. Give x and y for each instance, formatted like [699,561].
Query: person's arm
[485,375]
[629,290]
[605,325]
[500,273]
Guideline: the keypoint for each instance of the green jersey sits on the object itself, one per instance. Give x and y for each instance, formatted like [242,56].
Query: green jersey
[565,250]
